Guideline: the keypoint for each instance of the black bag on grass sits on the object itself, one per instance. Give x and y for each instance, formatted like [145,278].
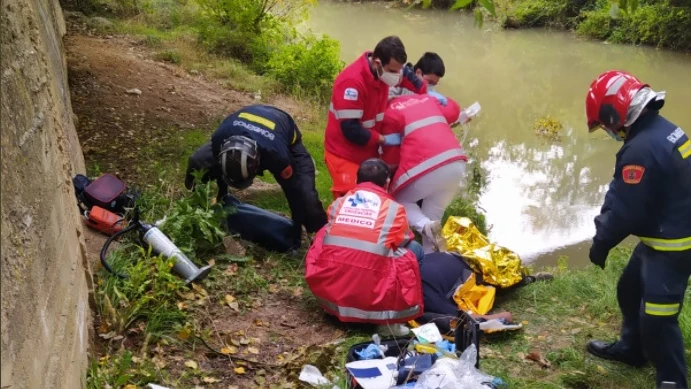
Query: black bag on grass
[267,229]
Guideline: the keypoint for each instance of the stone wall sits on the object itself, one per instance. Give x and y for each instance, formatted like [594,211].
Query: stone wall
[45,276]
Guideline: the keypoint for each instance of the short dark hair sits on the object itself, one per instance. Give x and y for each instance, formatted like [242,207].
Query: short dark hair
[373,170]
[431,63]
[388,48]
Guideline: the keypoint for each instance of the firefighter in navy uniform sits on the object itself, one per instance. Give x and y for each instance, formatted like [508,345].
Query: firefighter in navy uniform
[649,197]
[258,138]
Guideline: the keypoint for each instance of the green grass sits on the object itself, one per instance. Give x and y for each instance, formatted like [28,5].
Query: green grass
[180,46]
[562,316]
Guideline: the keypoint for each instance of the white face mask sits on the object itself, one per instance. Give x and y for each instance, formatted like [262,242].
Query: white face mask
[390,79]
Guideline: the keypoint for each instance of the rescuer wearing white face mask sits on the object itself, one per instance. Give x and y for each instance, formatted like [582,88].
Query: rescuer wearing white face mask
[357,108]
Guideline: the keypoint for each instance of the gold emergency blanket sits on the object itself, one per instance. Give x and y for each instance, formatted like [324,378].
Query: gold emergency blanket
[470,296]
[499,266]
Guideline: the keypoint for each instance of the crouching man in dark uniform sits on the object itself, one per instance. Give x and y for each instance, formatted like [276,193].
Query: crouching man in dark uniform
[649,197]
[258,138]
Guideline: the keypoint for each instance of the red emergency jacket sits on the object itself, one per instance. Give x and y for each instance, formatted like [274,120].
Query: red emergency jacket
[357,268]
[358,95]
[427,139]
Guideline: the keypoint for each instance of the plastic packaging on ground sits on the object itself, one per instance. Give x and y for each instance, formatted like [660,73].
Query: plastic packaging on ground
[447,373]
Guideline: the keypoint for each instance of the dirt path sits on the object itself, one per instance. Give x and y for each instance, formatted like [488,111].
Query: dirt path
[116,125]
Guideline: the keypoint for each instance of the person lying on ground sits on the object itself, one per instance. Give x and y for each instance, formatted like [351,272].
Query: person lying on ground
[258,138]
[363,266]
[430,164]
[449,284]
[430,68]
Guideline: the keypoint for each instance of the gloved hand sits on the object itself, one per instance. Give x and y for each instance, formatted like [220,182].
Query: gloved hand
[598,256]
[409,73]
[438,96]
[392,140]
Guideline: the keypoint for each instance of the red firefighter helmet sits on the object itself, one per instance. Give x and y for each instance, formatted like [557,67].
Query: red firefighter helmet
[609,98]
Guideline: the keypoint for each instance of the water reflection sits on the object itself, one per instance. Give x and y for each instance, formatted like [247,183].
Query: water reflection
[542,195]
[539,200]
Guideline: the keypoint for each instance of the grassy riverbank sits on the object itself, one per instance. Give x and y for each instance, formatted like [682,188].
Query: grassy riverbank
[253,323]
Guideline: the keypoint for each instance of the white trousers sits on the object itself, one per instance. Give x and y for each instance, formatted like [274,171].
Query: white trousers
[436,189]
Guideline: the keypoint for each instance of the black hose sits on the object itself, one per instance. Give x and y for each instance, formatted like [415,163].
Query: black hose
[104,250]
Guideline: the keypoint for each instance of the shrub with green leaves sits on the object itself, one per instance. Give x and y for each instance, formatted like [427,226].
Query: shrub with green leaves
[148,293]
[194,223]
[308,65]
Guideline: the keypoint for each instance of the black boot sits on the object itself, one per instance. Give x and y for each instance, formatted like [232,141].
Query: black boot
[616,351]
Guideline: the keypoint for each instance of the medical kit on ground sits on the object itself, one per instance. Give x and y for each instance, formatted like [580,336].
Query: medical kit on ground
[425,361]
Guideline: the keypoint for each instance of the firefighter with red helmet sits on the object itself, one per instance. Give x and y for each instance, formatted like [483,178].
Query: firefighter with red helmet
[649,197]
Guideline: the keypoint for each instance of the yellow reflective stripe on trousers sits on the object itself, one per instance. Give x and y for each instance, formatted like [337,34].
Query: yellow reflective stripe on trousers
[356,313]
[685,149]
[658,244]
[661,309]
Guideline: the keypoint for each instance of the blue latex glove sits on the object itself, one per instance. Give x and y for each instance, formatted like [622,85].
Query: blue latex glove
[438,96]
[392,140]
[370,352]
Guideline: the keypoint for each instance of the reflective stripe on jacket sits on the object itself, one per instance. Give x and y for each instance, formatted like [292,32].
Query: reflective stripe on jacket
[357,267]
[358,95]
[650,193]
[427,139]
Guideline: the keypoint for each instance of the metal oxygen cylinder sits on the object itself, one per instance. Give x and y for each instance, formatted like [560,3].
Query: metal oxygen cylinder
[160,244]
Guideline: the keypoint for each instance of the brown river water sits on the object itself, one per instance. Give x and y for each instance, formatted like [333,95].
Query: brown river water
[542,195]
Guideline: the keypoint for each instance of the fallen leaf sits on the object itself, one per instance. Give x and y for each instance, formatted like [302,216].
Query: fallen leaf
[232,268]
[191,364]
[239,370]
[260,372]
[185,333]
[531,310]
[229,350]
[233,387]
[229,299]
[601,369]
[273,288]
[297,292]
[182,306]
[212,262]
[575,331]
[535,356]
[253,350]
[109,335]
[525,322]
[255,341]
[210,380]
[103,328]
[259,380]
[159,363]
[234,341]
[234,306]
[199,289]
[130,386]
[244,341]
